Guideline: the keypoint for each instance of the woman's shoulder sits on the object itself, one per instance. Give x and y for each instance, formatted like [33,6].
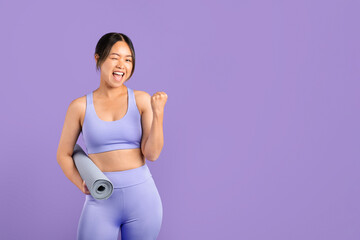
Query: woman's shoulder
[142,99]
[141,95]
[79,102]
[78,107]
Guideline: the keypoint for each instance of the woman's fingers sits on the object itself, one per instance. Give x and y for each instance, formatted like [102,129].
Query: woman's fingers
[86,190]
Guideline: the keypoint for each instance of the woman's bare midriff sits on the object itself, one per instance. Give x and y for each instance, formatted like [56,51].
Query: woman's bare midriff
[118,160]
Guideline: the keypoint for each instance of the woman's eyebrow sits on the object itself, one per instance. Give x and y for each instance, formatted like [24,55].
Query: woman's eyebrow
[119,54]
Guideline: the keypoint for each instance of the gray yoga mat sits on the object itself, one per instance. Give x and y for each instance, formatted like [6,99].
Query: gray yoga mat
[98,184]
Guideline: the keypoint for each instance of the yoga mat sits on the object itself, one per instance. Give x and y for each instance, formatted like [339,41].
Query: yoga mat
[99,185]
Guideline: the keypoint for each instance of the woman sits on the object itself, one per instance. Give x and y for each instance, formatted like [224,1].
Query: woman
[121,127]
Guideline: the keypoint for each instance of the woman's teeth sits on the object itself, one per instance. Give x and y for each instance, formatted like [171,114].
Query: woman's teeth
[118,76]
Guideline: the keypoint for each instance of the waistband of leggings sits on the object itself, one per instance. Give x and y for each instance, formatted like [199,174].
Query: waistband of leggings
[126,178]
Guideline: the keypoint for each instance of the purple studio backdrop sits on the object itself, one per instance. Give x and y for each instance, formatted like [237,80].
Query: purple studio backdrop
[261,126]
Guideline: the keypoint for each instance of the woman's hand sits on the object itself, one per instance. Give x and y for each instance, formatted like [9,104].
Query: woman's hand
[158,101]
[85,189]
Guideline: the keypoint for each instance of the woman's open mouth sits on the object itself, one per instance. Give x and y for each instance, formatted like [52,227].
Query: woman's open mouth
[118,76]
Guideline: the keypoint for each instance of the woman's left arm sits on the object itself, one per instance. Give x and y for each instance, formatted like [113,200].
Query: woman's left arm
[153,115]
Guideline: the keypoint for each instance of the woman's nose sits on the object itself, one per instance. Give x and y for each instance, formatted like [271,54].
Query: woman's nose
[120,64]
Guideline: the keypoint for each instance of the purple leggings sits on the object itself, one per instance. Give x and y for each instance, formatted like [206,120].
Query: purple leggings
[134,208]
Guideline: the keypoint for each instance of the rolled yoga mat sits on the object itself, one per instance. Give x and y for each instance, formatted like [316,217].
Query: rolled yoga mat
[99,185]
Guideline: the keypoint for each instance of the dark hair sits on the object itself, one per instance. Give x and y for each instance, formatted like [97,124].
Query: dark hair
[105,44]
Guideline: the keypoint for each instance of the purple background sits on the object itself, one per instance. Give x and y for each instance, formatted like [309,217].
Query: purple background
[261,125]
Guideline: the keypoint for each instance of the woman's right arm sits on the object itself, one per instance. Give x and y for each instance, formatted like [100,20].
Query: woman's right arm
[69,135]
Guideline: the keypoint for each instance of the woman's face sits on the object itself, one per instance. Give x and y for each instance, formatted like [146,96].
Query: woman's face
[118,60]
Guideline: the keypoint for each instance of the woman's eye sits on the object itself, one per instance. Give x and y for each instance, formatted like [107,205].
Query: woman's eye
[117,59]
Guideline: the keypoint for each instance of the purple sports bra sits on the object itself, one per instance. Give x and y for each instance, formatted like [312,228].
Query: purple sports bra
[102,136]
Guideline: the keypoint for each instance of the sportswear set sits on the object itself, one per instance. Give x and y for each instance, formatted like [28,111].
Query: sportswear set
[135,207]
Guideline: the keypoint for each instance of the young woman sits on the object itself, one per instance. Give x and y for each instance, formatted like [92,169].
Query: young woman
[121,127]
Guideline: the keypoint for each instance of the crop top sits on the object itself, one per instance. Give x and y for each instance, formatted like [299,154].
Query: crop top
[102,136]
